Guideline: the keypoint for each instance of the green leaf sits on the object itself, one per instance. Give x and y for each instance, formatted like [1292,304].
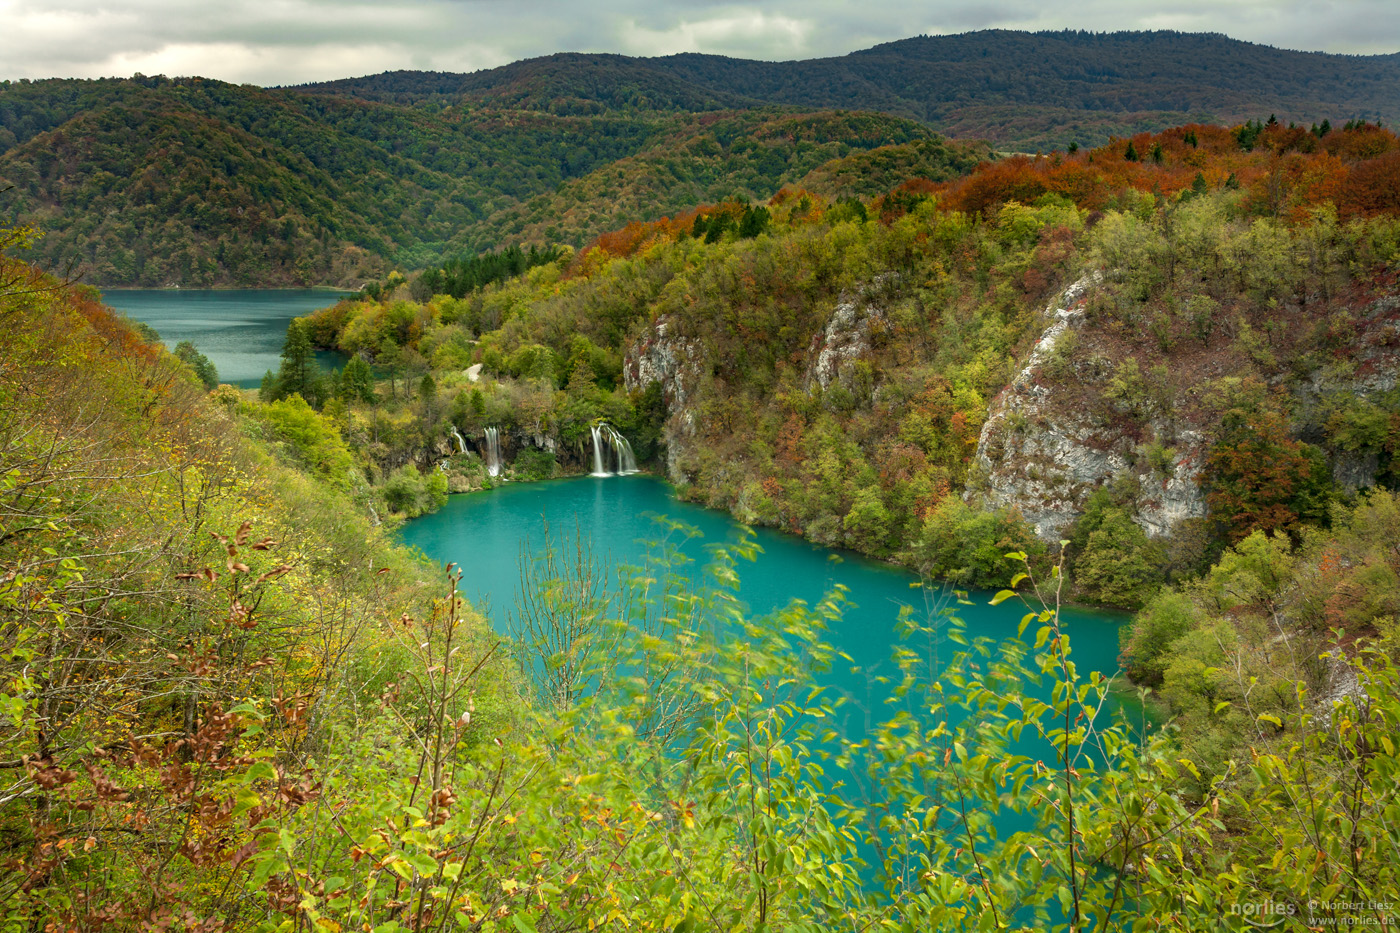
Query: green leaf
[1002,597]
[423,864]
[248,709]
[1222,705]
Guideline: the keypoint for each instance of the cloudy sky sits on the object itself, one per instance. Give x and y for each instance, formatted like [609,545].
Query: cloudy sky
[288,41]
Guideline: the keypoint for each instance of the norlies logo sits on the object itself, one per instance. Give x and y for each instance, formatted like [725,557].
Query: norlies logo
[1271,913]
[1266,914]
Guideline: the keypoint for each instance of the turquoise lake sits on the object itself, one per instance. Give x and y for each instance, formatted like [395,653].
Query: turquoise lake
[484,534]
[241,330]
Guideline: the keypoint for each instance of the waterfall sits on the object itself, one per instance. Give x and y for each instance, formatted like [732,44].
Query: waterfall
[606,436]
[461,444]
[598,468]
[626,461]
[493,452]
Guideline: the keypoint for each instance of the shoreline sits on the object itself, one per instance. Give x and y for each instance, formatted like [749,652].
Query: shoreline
[837,552]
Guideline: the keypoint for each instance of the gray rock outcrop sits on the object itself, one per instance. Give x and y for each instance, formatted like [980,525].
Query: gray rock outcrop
[1045,461]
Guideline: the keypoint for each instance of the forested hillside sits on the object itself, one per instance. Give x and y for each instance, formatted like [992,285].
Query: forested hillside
[840,368]
[228,702]
[1022,91]
[151,181]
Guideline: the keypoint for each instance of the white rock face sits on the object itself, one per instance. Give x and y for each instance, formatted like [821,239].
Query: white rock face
[1164,505]
[668,359]
[676,363]
[1046,463]
[846,339]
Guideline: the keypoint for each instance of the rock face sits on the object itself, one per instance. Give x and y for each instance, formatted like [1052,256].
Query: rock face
[1035,457]
[845,339]
[664,357]
[678,363]
[1043,450]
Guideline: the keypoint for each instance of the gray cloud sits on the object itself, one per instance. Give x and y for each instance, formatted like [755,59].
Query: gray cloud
[289,41]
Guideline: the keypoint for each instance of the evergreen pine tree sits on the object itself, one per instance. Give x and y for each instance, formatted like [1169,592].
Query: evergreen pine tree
[357,381]
[186,353]
[298,373]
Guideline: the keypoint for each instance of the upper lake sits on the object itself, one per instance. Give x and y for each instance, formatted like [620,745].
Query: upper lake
[240,330]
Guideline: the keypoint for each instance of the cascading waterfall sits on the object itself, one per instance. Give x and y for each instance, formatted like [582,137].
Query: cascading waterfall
[493,452]
[606,436]
[598,469]
[626,460]
[461,442]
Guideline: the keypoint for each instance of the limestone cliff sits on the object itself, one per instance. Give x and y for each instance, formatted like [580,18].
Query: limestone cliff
[680,364]
[1044,460]
[675,362]
[1070,421]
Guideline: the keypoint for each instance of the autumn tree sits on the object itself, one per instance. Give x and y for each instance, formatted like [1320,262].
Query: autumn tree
[1256,472]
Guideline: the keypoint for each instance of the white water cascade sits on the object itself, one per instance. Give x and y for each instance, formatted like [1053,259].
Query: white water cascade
[605,436]
[461,443]
[493,452]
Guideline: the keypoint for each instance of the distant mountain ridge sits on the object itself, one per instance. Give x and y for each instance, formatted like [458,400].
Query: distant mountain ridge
[1019,90]
[155,181]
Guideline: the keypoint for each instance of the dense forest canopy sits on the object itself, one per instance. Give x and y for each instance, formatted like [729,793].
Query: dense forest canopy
[151,181]
[339,182]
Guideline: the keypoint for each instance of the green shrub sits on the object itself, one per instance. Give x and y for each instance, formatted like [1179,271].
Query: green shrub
[968,546]
[534,464]
[411,493]
[1168,617]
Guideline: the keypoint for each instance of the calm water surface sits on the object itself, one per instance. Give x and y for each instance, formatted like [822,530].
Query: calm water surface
[240,330]
[484,534]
